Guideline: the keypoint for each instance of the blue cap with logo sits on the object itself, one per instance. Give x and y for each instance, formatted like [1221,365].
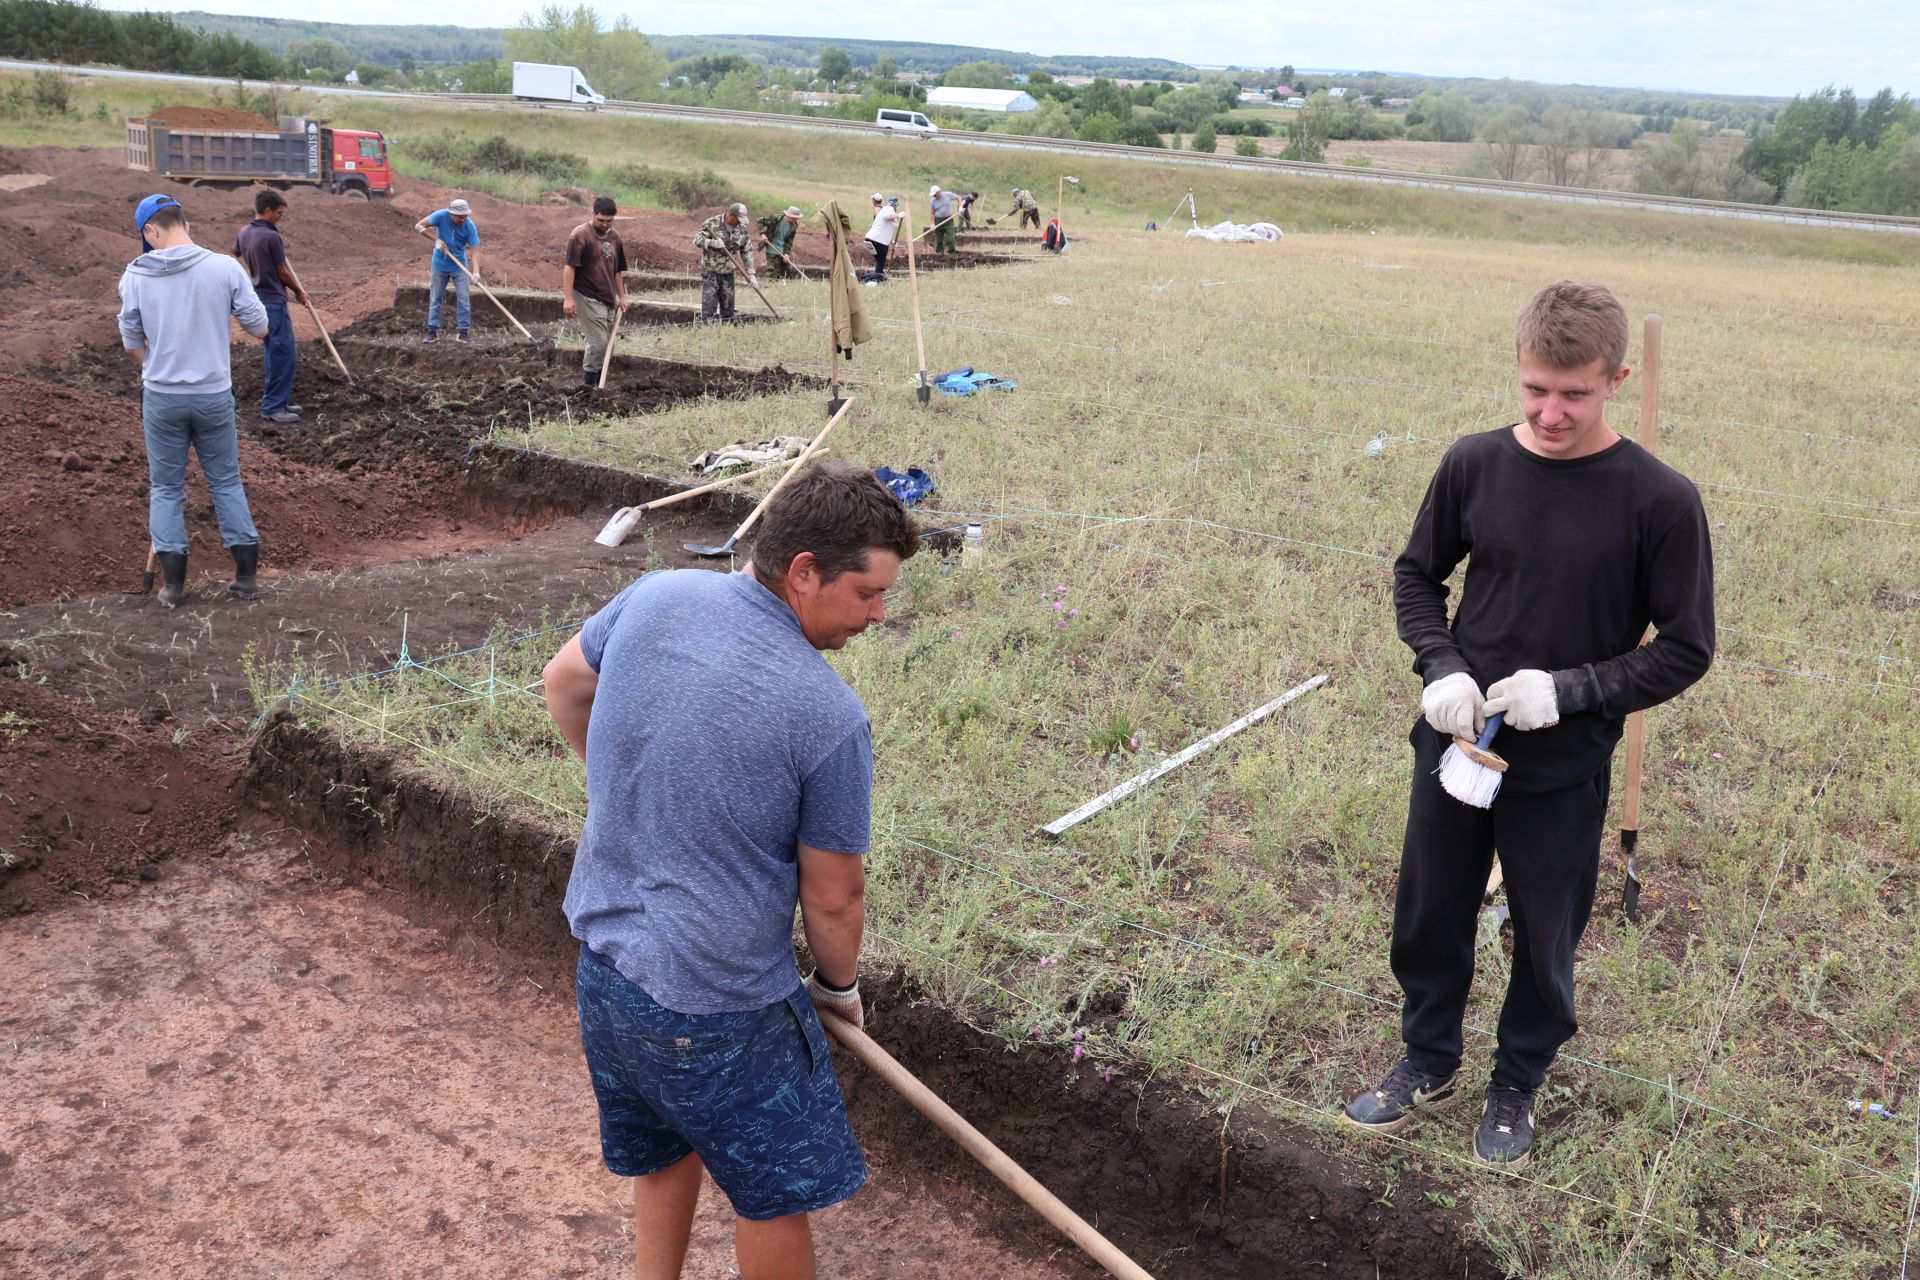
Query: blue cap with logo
[147,208]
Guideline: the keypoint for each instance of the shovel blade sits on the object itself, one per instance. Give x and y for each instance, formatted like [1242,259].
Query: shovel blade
[616,530]
[701,549]
[924,392]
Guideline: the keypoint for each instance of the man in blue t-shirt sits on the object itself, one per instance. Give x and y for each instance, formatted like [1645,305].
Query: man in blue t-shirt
[264,255]
[452,229]
[729,777]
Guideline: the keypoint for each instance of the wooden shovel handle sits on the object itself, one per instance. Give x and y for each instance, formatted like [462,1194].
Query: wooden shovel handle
[799,462]
[976,1144]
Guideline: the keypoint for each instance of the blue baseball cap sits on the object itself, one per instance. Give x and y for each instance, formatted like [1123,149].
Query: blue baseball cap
[147,208]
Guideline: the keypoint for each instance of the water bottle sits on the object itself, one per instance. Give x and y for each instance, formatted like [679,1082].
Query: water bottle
[973,544]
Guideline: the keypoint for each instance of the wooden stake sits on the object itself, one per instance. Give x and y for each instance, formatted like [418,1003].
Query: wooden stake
[319,324]
[1637,721]
[976,1144]
[924,392]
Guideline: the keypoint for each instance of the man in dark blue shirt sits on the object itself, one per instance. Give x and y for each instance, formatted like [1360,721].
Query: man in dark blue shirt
[264,255]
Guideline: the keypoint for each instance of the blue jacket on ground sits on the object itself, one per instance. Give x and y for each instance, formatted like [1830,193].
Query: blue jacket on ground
[175,304]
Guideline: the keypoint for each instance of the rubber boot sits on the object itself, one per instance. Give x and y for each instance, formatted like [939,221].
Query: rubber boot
[246,567]
[173,577]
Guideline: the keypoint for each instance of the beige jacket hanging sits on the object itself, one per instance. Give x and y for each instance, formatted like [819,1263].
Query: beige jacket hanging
[850,324]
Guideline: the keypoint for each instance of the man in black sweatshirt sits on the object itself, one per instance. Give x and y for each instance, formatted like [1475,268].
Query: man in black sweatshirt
[1575,540]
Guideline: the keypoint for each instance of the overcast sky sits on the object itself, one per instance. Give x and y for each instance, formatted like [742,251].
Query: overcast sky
[1719,46]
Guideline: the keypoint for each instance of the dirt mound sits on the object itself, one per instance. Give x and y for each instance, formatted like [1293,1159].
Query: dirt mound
[183,117]
[95,803]
[73,501]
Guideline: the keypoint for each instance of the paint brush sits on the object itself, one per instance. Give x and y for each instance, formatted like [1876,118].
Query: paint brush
[1469,772]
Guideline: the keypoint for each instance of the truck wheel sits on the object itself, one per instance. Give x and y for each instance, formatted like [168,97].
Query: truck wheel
[355,193]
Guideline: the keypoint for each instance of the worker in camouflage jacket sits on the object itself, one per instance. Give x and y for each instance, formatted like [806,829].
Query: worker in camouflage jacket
[1025,205]
[723,241]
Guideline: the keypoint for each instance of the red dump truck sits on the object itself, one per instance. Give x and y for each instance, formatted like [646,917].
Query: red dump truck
[349,162]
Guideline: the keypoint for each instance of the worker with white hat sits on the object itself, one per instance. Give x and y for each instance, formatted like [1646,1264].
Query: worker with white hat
[942,204]
[454,233]
[777,244]
[886,224]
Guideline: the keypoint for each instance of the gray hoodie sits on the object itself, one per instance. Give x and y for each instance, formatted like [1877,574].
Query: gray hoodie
[175,303]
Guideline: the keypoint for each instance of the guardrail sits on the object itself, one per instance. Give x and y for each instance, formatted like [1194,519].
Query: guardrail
[1838,219]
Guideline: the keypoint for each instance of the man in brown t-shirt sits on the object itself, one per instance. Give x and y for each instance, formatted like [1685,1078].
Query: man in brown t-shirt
[593,285]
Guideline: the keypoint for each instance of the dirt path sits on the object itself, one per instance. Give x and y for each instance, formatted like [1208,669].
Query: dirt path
[248,1070]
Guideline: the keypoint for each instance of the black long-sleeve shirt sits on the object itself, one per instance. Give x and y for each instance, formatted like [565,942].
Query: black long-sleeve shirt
[1568,560]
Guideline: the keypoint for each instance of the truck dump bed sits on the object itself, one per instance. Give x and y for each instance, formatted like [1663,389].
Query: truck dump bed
[288,155]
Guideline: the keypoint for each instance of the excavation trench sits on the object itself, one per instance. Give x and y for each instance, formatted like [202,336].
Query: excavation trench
[1152,1165]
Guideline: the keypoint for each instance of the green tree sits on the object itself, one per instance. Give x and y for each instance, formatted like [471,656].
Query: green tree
[1246,147]
[1310,128]
[1104,97]
[372,74]
[1100,127]
[1443,117]
[885,67]
[979,75]
[835,65]
[618,62]
[319,54]
[489,76]
[1508,137]
[1051,119]
[738,91]
[1189,106]
[1139,132]
[1204,138]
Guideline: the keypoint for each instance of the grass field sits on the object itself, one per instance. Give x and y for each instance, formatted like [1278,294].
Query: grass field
[1183,520]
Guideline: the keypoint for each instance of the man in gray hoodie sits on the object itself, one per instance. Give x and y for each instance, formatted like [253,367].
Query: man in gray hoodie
[175,300]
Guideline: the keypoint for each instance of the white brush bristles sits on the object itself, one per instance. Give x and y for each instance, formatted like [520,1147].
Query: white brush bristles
[1467,780]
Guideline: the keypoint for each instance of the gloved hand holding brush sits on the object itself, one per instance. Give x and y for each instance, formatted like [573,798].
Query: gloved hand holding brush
[1453,705]
[1527,698]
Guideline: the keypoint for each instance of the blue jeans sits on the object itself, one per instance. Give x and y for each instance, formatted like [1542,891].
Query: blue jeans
[753,1094]
[436,294]
[204,422]
[281,356]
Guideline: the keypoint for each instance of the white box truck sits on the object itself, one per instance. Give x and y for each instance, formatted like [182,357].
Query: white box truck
[544,82]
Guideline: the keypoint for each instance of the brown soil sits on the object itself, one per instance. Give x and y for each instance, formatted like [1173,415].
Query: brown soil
[93,800]
[1153,1165]
[73,502]
[249,1069]
[209,118]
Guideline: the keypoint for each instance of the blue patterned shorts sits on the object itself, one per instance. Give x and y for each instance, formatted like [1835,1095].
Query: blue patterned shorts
[752,1094]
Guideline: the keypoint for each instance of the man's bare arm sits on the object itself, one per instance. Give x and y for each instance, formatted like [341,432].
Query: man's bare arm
[570,685]
[833,911]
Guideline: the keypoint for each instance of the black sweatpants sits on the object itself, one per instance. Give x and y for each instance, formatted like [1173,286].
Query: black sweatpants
[1549,845]
[879,255]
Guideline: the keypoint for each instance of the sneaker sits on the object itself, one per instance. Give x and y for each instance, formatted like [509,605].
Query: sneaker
[433,335]
[282,417]
[1390,1105]
[1505,1136]
[463,336]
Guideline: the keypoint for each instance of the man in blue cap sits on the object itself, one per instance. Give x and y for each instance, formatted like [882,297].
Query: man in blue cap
[175,302]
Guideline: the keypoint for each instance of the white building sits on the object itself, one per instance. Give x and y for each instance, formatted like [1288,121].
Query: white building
[981,99]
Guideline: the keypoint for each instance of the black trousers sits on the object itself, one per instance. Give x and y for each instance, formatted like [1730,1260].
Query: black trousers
[1549,845]
[879,255]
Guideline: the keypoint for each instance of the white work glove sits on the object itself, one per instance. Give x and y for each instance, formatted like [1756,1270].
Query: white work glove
[841,1003]
[1452,704]
[1527,698]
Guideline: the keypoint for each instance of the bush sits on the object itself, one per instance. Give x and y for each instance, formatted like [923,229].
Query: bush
[673,188]
[1204,139]
[1246,147]
[1139,133]
[1242,126]
[497,155]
